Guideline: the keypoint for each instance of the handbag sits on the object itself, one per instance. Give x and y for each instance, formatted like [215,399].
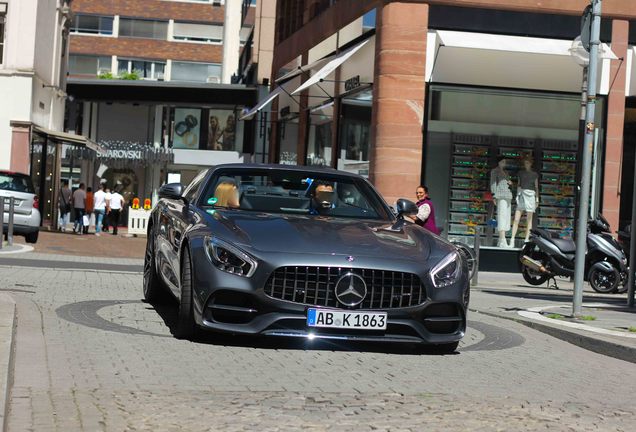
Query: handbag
[86,219]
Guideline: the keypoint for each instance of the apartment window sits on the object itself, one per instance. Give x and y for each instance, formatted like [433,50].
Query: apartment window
[198,32]
[195,72]
[146,69]
[89,65]
[92,24]
[143,28]
[3,15]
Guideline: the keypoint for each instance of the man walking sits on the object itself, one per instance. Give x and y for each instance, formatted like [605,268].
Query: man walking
[116,205]
[99,206]
[79,204]
[64,206]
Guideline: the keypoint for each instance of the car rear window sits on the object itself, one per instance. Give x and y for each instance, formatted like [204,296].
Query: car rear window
[16,182]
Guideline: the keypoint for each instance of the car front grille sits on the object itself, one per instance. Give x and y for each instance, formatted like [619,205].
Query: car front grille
[315,286]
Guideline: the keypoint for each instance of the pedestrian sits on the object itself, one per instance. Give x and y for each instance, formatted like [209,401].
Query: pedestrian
[116,205]
[79,204]
[107,196]
[89,209]
[425,210]
[64,206]
[99,208]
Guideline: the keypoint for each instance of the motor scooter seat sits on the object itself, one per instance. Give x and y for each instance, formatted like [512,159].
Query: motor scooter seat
[565,246]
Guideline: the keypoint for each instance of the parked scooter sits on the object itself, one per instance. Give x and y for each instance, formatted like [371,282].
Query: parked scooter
[546,256]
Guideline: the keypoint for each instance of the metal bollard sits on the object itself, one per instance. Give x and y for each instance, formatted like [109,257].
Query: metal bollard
[1,221]
[475,280]
[10,227]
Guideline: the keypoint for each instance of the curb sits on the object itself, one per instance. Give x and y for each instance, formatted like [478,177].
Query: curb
[7,334]
[589,343]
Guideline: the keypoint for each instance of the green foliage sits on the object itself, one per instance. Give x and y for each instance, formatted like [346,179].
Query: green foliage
[588,318]
[106,76]
[632,329]
[555,316]
[129,76]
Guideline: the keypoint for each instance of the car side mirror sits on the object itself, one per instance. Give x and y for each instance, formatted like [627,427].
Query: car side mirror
[405,206]
[171,191]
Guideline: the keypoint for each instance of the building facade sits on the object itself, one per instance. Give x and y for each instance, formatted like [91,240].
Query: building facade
[33,58]
[411,92]
[154,84]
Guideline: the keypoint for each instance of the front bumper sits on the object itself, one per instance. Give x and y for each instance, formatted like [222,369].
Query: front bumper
[234,304]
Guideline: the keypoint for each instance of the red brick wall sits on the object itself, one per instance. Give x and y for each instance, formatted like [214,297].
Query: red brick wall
[156,9]
[146,48]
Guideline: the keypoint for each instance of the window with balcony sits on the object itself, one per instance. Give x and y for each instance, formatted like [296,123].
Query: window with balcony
[89,65]
[3,15]
[139,28]
[92,24]
[195,72]
[145,69]
[198,32]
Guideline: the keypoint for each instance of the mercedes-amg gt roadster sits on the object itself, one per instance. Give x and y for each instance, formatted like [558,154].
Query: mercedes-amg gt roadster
[278,250]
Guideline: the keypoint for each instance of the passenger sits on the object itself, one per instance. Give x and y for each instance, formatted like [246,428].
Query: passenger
[227,195]
[322,198]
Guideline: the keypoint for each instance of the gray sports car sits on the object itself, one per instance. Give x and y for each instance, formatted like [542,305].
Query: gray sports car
[296,251]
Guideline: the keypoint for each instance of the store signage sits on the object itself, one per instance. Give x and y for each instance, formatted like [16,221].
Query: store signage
[285,111]
[121,154]
[352,83]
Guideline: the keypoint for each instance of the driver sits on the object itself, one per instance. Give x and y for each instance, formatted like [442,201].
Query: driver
[322,198]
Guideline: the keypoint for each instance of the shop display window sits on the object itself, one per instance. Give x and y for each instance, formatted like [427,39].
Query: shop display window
[206,129]
[474,191]
[355,128]
[319,137]
[287,141]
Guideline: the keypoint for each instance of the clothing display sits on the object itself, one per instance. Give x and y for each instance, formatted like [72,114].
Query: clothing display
[527,179]
[526,200]
[500,184]
[503,214]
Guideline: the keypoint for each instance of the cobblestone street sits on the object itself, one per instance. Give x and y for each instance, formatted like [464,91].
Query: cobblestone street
[91,356]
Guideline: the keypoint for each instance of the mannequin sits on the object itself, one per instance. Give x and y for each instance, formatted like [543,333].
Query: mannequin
[527,198]
[500,188]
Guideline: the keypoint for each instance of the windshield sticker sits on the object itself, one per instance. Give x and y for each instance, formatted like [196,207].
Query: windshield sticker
[212,200]
[211,211]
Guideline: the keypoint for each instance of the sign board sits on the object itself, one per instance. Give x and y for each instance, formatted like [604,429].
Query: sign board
[352,83]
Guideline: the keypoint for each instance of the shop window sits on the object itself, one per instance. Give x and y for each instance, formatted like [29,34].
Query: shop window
[319,137]
[463,146]
[195,72]
[89,65]
[206,129]
[143,28]
[287,141]
[92,24]
[198,32]
[3,16]
[355,127]
[150,70]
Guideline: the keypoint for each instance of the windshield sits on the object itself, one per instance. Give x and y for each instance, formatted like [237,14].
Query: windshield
[293,192]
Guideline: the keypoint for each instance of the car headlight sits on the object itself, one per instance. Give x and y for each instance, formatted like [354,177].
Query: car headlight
[229,258]
[446,271]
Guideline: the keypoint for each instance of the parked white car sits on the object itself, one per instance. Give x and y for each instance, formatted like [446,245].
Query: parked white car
[26,220]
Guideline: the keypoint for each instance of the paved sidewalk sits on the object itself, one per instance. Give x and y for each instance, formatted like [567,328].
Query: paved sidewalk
[7,333]
[606,325]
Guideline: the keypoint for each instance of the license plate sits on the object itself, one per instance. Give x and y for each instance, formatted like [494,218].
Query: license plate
[345,319]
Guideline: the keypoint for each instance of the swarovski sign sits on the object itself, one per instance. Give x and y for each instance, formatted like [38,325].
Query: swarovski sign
[121,154]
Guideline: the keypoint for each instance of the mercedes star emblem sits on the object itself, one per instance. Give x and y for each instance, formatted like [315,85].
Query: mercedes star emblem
[351,289]
[350,258]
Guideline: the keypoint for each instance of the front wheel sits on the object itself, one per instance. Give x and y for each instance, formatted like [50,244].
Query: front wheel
[533,277]
[186,326]
[32,237]
[604,281]
[154,290]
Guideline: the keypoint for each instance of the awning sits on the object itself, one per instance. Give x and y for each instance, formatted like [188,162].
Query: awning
[330,67]
[68,138]
[630,84]
[508,61]
[263,103]
[306,68]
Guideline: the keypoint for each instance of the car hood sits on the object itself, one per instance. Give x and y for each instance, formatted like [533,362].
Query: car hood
[294,234]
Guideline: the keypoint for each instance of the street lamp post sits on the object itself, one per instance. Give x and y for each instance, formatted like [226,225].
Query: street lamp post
[588,143]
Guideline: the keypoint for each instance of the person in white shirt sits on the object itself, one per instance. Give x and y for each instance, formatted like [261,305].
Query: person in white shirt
[116,205]
[99,208]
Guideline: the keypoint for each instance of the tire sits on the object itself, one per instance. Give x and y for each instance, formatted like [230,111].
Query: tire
[468,254]
[448,348]
[186,327]
[532,277]
[32,237]
[602,281]
[154,289]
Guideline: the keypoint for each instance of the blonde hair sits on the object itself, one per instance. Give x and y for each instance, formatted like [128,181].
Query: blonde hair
[226,195]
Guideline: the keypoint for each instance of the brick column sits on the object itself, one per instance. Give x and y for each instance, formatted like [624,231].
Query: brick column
[615,124]
[20,146]
[398,98]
